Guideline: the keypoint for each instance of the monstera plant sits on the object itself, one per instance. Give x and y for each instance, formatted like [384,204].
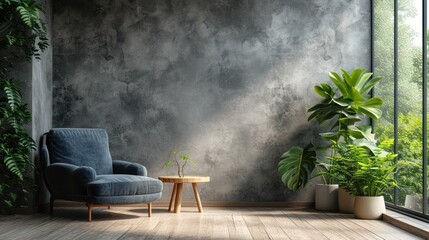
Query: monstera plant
[345,105]
[22,36]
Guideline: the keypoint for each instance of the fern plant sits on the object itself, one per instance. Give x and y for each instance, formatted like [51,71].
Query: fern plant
[22,36]
[363,173]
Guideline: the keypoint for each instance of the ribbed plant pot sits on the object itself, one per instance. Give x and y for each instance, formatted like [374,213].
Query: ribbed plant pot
[346,201]
[326,197]
[369,207]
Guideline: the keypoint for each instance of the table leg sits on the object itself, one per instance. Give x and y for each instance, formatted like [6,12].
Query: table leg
[197,197]
[178,202]
[173,197]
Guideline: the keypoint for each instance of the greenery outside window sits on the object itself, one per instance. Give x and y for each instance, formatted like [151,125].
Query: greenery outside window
[399,54]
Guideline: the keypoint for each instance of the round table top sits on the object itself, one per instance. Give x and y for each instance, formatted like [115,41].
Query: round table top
[185,179]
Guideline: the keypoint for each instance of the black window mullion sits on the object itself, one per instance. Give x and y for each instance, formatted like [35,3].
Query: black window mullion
[425,85]
[395,87]
[372,93]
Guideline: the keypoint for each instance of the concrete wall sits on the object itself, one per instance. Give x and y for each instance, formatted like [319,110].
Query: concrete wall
[41,88]
[228,81]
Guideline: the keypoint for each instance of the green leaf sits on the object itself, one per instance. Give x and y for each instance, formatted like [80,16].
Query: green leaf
[296,165]
[166,164]
[371,112]
[342,102]
[349,120]
[25,15]
[373,102]
[370,84]
[362,80]
[15,164]
[354,77]
[347,77]
[355,95]
[321,92]
[338,81]
[362,132]
[370,145]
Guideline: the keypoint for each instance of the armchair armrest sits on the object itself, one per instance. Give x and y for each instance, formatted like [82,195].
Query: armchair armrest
[124,167]
[68,179]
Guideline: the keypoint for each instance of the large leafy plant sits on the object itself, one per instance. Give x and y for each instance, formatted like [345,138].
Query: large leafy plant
[22,36]
[341,112]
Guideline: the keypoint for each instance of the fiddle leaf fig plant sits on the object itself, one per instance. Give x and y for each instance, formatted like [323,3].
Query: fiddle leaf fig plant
[345,104]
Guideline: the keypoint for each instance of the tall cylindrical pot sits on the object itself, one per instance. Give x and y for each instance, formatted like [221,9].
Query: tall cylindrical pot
[326,198]
[346,201]
[369,207]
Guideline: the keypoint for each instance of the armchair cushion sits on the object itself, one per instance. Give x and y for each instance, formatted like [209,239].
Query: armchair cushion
[68,179]
[124,167]
[81,147]
[123,185]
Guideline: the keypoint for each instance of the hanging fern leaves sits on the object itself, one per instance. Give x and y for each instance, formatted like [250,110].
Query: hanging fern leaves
[14,164]
[22,36]
[25,14]
[21,27]
[13,95]
[15,143]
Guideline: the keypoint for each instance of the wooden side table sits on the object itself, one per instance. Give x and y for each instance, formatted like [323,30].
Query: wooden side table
[176,195]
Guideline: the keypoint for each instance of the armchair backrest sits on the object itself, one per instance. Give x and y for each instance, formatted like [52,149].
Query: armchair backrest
[81,147]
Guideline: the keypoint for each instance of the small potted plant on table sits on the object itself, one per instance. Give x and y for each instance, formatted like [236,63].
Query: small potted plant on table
[180,161]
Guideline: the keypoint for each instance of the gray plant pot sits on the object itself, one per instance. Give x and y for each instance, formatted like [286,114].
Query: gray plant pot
[346,201]
[326,197]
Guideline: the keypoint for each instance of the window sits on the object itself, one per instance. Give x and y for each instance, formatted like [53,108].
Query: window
[400,55]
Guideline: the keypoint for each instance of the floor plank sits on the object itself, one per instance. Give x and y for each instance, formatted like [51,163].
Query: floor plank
[215,223]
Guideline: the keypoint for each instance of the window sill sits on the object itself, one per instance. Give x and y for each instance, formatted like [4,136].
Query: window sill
[412,225]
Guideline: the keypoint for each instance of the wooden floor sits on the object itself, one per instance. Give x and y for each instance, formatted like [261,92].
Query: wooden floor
[214,223]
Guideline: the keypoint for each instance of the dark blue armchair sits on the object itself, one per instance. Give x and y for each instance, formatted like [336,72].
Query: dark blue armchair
[77,166]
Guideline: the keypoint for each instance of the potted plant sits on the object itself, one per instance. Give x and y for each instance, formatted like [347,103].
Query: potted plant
[369,176]
[180,161]
[342,108]
[22,36]
[409,179]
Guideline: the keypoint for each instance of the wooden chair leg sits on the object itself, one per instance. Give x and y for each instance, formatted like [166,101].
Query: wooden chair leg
[149,209]
[51,206]
[89,205]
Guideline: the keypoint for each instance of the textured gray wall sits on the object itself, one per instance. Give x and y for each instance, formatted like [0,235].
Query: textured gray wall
[228,81]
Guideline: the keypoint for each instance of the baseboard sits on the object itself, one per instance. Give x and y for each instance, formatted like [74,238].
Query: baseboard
[292,204]
[22,211]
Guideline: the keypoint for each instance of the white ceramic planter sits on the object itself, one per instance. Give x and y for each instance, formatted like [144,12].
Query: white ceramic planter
[369,207]
[413,202]
[346,201]
[326,198]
